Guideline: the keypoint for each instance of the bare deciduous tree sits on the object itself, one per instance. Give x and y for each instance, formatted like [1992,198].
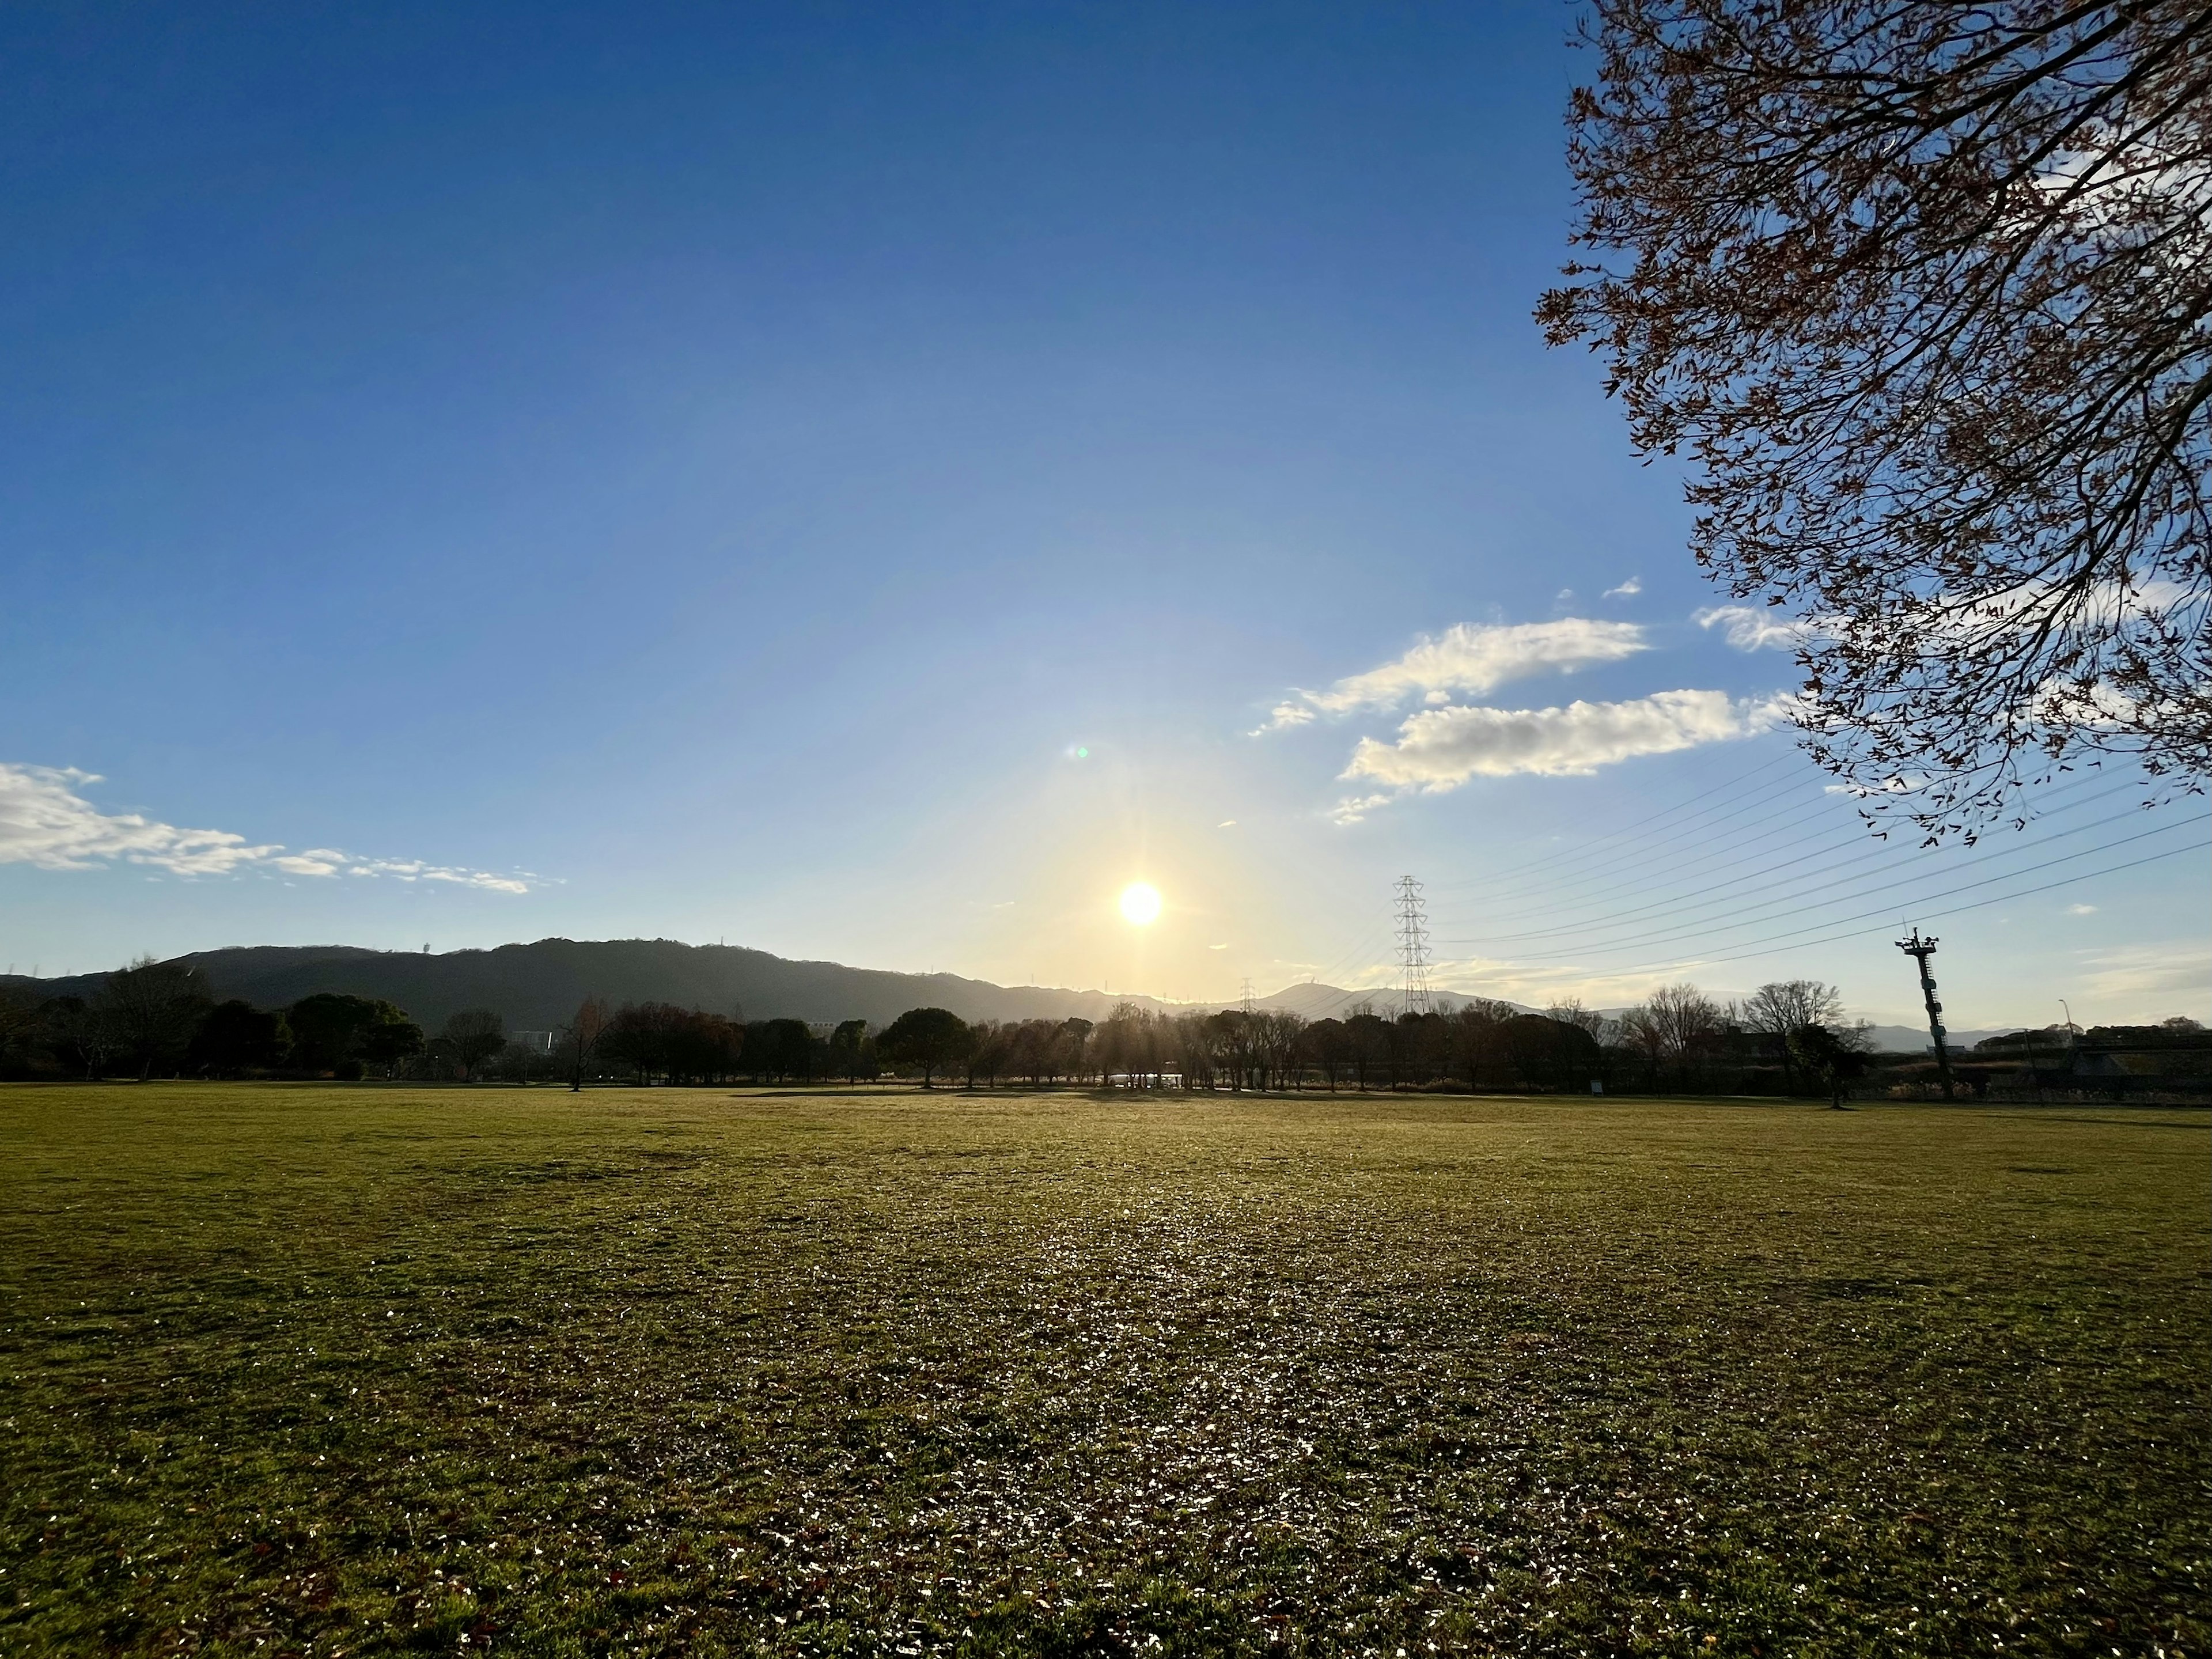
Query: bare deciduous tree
[472,1038]
[1677,1025]
[1780,1008]
[1925,293]
[150,1010]
[581,1039]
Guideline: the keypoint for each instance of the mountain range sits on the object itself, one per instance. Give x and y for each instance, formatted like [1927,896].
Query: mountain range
[537,986]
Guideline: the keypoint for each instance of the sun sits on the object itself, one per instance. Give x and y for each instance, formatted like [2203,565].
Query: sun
[1141,903]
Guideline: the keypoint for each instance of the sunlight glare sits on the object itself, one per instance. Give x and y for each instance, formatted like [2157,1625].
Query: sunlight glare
[1140,902]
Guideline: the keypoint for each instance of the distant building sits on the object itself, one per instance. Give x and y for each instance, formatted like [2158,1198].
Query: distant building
[538,1042]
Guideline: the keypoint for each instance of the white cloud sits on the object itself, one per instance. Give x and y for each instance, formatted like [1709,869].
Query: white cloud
[47,821]
[1353,810]
[2175,968]
[2080,909]
[1753,630]
[1627,590]
[1468,658]
[1440,749]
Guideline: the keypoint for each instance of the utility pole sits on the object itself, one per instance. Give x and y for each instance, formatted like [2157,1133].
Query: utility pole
[1920,949]
[1413,947]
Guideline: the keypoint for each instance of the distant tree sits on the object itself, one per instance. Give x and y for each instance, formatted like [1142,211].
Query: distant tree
[472,1038]
[19,1030]
[703,1048]
[990,1052]
[638,1036]
[850,1052]
[1924,290]
[1675,1029]
[389,1043]
[1126,1044]
[75,1034]
[1600,1031]
[933,1039]
[580,1039]
[2181,1023]
[330,1030]
[1833,1058]
[151,1009]
[1781,1007]
[781,1050]
[1074,1045]
[1421,1048]
[1475,1042]
[1281,1039]
[1325,1045]
[236,1036]
[1367,1034]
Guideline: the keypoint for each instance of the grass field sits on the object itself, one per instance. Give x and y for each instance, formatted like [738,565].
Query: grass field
[344,1369]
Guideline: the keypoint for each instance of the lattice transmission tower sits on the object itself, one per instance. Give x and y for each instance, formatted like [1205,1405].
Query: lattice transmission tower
[1413,947]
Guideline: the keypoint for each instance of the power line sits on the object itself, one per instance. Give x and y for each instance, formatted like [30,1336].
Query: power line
[1748,913]
[1627,830]
[1843,836]
[1793,941]
[1737,805]
[1930,916]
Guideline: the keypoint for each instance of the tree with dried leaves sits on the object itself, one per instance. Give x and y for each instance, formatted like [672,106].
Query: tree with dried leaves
[1781,1007]
[470,1037]
[150,1010]
[1834,1057]
[1676,1025]
[581,1037]
[1924,293]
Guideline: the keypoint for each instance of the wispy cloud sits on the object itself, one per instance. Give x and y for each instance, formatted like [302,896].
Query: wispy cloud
[47,821]
[1470,658]
[1440,749]
[1627,590]
[1753,630]
[2172,967]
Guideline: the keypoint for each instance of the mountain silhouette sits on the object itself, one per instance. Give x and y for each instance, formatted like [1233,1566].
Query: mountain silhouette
[536,986]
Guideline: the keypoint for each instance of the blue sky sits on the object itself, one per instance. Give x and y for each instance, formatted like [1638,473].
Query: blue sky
[855,480]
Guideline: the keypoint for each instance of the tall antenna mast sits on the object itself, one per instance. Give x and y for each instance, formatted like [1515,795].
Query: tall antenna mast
[1413,947]
[1920,949]
[1248,996]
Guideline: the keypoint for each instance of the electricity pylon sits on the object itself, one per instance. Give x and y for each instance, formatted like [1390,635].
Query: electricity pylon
[1413,947]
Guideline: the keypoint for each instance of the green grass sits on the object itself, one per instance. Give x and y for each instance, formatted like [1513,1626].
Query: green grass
[330,1370]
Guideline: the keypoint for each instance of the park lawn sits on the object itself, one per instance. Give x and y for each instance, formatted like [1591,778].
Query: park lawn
[345,1369]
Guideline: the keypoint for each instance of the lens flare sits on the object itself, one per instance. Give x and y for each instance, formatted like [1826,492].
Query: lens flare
[1141,903]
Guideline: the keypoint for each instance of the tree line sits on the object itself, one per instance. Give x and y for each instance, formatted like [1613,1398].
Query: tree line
[158,1019]
[1788,1037]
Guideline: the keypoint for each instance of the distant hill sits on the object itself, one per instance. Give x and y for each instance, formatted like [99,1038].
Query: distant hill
[537,986]
[1913,1039]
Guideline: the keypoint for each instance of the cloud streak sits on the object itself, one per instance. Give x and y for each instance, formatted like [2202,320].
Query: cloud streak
[1440,749]
[47,821]
[1472,658]
[1748,629]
